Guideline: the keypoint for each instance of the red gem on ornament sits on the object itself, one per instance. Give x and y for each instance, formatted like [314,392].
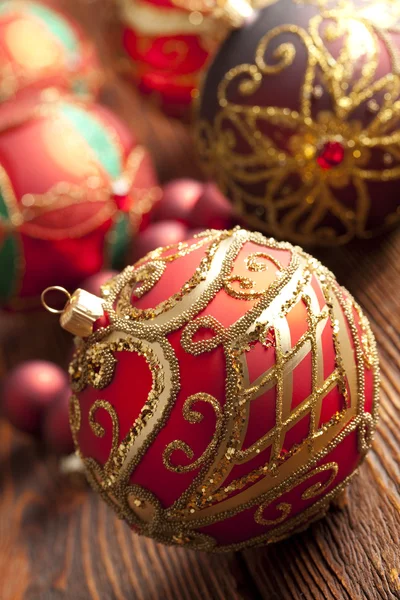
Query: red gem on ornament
[330,155]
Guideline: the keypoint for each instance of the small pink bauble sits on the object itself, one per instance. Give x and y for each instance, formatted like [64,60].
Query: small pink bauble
[164,233]
[29,390]
[179,199]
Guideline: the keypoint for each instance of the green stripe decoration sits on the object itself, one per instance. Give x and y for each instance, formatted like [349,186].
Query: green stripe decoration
[3,208]
[8,267]
[57,26]
[119,239]
[9,257]
[96,136]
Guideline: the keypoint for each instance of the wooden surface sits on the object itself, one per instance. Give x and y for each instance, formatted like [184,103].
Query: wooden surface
[58,542]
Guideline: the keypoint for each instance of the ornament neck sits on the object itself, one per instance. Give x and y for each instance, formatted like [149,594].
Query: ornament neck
[80,312]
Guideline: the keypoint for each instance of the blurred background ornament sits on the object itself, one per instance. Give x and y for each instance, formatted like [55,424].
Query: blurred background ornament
[187,206]
[74,185]
[253,387]
[169,44]
[42,47]
[29,390]
[298,121]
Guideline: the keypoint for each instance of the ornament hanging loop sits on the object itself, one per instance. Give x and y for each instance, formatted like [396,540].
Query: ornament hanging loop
[54,288]
[80,312]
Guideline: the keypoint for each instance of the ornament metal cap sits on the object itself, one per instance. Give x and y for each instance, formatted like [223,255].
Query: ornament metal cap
[80,312]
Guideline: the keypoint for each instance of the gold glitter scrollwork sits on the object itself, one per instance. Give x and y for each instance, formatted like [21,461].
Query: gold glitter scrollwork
[366,432]
[319,488]
[254,264]
[75,417]
[100,365]
[279,182]
[315,490]
[367,338]
[141,281]
[246,289]
[284,508]
[193,416]
[207,323]
[99,430]
[161,256]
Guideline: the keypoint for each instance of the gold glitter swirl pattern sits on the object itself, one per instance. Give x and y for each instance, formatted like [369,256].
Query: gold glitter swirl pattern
[318,488]
[193,417]
[151,275]
[99,430]
[247,288]
[206,323]
[75,417]
[284,508]
[276,180]
[315,490]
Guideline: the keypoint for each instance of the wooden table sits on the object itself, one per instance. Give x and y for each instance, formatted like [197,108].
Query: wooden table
[58,542]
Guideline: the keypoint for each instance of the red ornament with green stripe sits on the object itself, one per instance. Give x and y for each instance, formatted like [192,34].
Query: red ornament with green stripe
[41,47]
[74,186]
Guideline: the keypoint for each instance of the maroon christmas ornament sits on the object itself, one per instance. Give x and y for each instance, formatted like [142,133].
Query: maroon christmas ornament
[299,123]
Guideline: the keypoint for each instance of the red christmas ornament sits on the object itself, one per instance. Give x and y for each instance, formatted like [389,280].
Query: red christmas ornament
[212,210]
[169,44]
[29,391]
[73,187]
[297,121]
[232,395]
[41,47]
[178,200]
[159,234]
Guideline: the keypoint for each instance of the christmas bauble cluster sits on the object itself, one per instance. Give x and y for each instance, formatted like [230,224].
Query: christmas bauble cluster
[228,395]
[229,390]
[299,119]
[74,182]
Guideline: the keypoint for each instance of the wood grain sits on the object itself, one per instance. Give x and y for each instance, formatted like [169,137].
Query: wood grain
[61,543]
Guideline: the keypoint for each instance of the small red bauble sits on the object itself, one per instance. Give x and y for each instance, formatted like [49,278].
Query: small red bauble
[233,394]
[159,234]
[169,44]
[179,198]
[297,123]
[212,210]
[73,184]
[28,392]
[41,47]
